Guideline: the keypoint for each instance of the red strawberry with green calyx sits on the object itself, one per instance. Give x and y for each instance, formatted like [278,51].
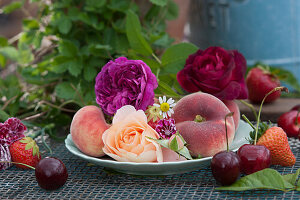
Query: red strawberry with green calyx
[259,82]
[25,151]
[275,139]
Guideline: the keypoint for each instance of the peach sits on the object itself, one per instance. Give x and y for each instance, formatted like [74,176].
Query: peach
[200,119]
[233,107]
[87,127]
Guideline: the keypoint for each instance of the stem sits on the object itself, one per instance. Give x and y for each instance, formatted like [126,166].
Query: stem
[44,142]
[260,108]
[247,120]
[199,119]
[36,134]
[34,116]
[18,164]
[8,102]
[228,115]
[156,58]
[251,107]
[157,74]
[55,106]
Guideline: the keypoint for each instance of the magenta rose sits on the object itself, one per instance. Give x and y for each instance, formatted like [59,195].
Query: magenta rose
[215,71]
[125,82]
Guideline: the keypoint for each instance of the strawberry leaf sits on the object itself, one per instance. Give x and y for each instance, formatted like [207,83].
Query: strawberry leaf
[34,150]
[262,128]
[29,146]
[26,140]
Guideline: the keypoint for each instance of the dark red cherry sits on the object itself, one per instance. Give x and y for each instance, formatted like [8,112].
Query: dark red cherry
[296,107]
[51,173]
[225,167]
[290,123]
[254,158]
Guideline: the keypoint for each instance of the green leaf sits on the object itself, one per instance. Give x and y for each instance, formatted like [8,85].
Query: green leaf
[298,185]
[175,56]
[264,179]
[30,24]
[29,146]
[159,2]
[10,52]
[117,5]
[89,73]
[34,150]
[134,35]
[174,144]
[25,54]
[3,42]
[166,89]
[3,115]
[26,140]
[2,61]
[96,3]
[162,142]
[173,10]
[185,152]
[75,67]
[65,91]
[121,43]
[286,76]
[291,178]
[67,48]
[12,7]
[60,64]
[65,25]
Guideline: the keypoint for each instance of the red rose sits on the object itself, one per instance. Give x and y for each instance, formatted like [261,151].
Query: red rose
[217,72]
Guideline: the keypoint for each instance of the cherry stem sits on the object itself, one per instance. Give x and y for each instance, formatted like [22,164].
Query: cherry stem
[248,121]
[228,115]
[18,164]
[260,108]
[251,107]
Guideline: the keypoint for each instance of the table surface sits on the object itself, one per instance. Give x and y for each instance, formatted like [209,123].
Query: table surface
[87,181]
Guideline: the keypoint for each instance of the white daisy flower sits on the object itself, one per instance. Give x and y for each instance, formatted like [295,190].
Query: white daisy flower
[166,106]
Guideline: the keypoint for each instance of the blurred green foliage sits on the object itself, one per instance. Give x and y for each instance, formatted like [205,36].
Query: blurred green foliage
[61,50]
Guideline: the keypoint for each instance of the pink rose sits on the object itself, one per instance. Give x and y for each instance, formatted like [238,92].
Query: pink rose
[126,140]
[215,71]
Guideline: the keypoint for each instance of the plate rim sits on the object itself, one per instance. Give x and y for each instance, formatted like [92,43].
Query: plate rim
[110,161]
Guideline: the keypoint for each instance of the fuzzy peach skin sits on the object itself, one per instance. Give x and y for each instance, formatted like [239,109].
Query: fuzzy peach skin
[208,137]
[126,140]
[233,107]
[87,127]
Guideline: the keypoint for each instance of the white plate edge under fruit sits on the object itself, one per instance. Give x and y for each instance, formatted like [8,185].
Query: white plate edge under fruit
[240,138]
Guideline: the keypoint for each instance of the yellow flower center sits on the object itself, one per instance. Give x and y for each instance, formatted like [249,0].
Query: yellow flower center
[164,107]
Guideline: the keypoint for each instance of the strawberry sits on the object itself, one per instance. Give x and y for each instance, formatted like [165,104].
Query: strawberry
[25,151]
[259,82]
[275,139]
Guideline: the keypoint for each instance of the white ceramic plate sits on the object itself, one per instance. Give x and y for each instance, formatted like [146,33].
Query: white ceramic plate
[165,168]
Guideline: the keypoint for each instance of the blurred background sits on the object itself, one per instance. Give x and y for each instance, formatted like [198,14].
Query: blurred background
[261,31]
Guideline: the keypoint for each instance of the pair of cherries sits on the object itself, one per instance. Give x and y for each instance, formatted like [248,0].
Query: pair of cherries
[227,165]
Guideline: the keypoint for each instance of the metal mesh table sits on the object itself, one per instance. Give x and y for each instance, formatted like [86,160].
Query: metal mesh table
[88,181]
